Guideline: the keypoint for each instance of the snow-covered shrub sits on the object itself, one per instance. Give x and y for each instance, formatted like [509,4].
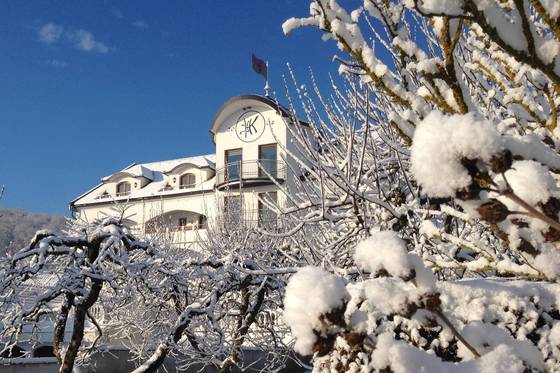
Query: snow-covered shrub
[313,297]
[442,129]
[491,181]
[445,131]
[388,321]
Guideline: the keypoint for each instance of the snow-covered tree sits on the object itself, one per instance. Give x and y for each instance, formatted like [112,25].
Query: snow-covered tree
[234,288]
[445,132]
[62,280]
[423,233]
[98,284]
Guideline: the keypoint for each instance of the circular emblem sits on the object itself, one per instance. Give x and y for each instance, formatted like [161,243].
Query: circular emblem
[250,126]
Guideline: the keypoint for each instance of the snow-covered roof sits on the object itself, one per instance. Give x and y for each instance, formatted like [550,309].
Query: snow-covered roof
[147,169]
[136,170]
[200,161]
[157,175]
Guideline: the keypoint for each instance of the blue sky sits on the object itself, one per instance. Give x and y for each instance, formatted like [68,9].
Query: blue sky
[88,87]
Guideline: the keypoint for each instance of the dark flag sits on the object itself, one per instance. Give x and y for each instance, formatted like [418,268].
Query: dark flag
[260,67]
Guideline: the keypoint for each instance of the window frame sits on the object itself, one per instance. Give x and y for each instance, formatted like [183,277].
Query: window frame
[104,195]
[262,207]
[202,221]
[183,222]
[275,160]
[227,163]
[187,175]
[120,193]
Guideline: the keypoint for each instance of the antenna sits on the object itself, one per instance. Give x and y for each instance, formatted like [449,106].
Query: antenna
[266,86]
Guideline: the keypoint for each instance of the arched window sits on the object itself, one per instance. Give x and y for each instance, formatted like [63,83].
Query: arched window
[187,181]
[123,189]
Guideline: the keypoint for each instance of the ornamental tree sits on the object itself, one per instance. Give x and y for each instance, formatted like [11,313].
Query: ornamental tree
[444,131]
[62,280]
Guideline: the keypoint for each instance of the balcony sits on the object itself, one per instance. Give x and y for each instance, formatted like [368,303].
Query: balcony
[249,218]
[250,173]
[151,229]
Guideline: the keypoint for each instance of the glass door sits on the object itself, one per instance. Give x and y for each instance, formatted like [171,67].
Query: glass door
[267,217]
[267,160]
[233,164]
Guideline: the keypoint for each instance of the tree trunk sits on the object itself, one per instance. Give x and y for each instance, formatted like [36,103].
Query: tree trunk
[79,325]
[75,342]
[60,326]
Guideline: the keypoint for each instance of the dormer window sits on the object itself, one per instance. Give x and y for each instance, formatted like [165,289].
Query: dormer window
[123,189]
[187,181]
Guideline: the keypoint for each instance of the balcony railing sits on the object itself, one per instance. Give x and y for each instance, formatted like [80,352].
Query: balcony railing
[250,173]
[149,229]
[246,218]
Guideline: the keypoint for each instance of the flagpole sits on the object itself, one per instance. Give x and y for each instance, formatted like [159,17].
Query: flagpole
[266,86]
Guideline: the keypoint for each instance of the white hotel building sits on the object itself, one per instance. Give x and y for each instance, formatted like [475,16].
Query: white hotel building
[178,197]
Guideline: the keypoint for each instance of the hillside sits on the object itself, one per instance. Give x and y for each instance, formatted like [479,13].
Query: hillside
[18,226]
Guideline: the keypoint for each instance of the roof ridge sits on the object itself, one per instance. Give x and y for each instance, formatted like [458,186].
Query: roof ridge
[182,158]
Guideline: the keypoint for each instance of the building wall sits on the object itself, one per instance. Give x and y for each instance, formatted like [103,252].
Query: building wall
[139,213]
[244,124]
[201,175]
[227,138]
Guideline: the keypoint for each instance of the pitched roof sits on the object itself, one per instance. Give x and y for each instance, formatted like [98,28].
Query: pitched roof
[156,173]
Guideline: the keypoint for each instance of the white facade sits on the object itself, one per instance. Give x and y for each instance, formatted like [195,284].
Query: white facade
[178,197]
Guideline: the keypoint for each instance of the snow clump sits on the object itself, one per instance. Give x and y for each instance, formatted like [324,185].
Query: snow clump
[401,357]
[531,181]
[439,144]
[548,262]
[310,293]
[384,250]
[486,336]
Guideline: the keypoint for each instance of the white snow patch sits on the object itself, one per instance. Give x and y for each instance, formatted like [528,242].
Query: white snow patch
[548,50]
[531,181]
[443,6]
[486,336]
[552,7]
[404,358]
[554,337]
[310,293]
[548,262]
[385,250]
[441,141]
